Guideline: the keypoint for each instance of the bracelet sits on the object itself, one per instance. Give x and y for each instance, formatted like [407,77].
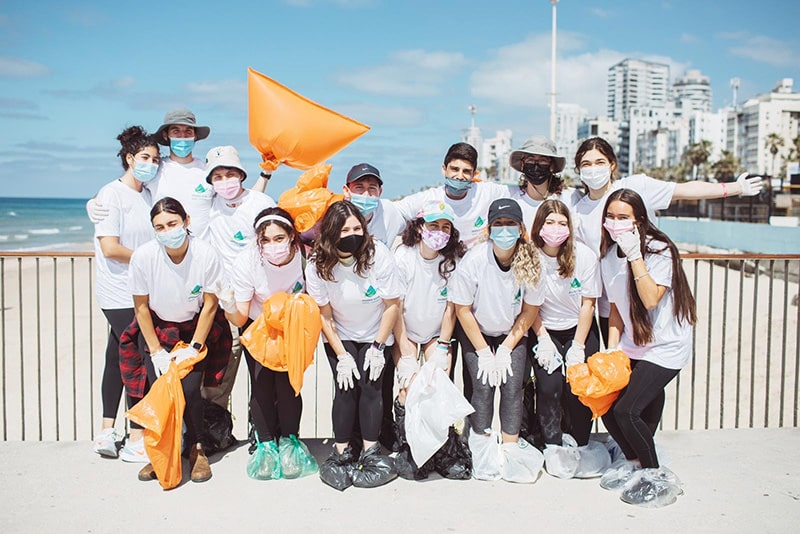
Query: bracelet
[724,190]
[637,278]
[447,343]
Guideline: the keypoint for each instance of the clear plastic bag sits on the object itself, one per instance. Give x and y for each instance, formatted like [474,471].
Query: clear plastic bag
[562,461]
[522,462]
[594,460]
[296,460]
[265,463]
[652,488]
[487,456]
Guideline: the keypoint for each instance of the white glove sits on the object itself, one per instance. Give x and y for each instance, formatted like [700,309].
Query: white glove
[545,353]
[439,356]
[227,300]
[609,350]
[486,372]
[183,354]
[750,186]
[502,362]
[576,354]
[96,211]
[346,370]
[406,368]
[374,362]
[161,361]
[630,244]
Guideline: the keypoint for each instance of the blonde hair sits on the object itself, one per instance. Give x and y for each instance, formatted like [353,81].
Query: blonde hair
[526,265]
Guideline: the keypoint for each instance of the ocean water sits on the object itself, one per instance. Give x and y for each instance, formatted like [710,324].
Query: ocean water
[45,224]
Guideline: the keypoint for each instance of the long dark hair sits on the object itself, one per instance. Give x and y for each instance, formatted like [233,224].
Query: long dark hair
[326,255]
[685,308]
[452,251]
[134,139]
[566,252]
[602,146]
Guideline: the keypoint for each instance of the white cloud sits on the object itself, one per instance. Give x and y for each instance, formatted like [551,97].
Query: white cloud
[12,67]
[688,38]
[408,73]
[766,50]
[230,93]
[598,12]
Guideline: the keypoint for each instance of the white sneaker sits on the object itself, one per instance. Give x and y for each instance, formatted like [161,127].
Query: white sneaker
[134,452]
[105,443]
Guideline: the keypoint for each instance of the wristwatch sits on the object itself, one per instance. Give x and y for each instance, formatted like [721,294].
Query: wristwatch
[265,175]
[196,346]
[379,346]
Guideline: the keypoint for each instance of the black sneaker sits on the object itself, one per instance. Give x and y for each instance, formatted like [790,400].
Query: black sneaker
[337,470]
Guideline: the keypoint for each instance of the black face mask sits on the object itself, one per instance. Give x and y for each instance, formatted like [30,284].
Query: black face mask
[350,244]
[537,173]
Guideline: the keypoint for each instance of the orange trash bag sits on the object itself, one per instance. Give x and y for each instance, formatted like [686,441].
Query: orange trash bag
[286,127]
[309,199]
[597,382]
[284,337]
[160,412]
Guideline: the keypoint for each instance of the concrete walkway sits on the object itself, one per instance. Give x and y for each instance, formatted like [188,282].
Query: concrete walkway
[734,481]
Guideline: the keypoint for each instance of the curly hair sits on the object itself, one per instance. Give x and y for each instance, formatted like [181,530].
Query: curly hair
[526,264]
[133,140]
[566,252]
[294,236]
[326,254]
[452,251]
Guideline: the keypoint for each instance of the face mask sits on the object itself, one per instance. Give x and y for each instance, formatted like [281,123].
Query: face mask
[435,239]
[172,238]
[365,203]
[554,234]
[504,237]
[276,253]
[596,177]
[228,189]
[181,147]
[537,173]
[616,228]
[351,243]
[144,172]
[456,187]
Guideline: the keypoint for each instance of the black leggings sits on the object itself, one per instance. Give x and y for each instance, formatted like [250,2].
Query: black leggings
[111,386]
[634,416]
[552,390]
[461,340]
[364,400]
[273,406]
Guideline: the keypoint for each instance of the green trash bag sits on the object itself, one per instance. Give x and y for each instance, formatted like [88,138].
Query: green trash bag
[265,464]
[296,461]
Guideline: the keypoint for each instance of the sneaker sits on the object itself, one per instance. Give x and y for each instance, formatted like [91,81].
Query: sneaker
[134,452]
[619,474]
[105,443]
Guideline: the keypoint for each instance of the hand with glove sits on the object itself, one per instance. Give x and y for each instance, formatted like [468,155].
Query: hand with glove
[630,244]
[546,354]
[405,370]
[346,371]
[576,354]
[374,362]
[227,300]
[502,362]
[486,369]
[440,356]
[96,211]
[183,354]
[750,186]
[161,361]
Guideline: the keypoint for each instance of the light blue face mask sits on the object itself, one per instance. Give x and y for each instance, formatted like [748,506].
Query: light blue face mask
[144,171]
[504,237]
[172,238]
[181,147]
[365,203]
[456,187]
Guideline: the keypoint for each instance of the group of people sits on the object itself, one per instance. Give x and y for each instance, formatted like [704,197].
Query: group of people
[521,281]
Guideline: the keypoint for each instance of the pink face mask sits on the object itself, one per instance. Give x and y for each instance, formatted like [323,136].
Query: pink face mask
[228,189]
[616,228]
[554,234]
[435,239]
[276,253]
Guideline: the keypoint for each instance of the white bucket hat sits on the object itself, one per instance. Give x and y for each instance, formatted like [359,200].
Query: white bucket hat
[223,156]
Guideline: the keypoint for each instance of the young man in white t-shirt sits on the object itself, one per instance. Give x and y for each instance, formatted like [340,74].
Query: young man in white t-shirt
[364,188]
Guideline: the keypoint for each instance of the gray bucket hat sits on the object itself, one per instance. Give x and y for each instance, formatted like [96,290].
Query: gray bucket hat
[537,145]
[184,117]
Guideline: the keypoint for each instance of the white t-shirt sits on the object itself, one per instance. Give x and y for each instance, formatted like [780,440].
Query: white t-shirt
[495,296]
[175,291]
[230,228]
[424,293]
[672,343]
[471,211]
[357,302]
[254,280]
[530,206]
[129,220]
[562,297]
[186,184]
[588,214]
[386,223]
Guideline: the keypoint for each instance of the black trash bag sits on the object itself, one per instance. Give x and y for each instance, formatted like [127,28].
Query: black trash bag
[337,470]
[217,432]
[454,459]
[404,462]
[373,469]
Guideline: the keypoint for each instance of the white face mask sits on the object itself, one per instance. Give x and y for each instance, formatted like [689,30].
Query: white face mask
[596,177]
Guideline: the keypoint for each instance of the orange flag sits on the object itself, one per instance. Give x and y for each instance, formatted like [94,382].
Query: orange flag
[289,128]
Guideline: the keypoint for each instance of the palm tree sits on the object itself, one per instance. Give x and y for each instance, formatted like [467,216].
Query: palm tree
[726,167]
[697,155]
[773,142]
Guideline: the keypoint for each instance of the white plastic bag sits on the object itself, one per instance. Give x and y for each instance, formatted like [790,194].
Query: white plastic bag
[594,460]
[487,457]
[433,404]
[522,462]
[562,461]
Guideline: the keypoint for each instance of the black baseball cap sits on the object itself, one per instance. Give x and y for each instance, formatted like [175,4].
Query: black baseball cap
[505,207]
[361,170]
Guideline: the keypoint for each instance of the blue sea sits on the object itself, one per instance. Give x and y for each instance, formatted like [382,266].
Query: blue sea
[45,224]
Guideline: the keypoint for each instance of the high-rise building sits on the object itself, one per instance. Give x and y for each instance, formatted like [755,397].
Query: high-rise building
[569,117]
[692,92]
[636,83]
[495,153]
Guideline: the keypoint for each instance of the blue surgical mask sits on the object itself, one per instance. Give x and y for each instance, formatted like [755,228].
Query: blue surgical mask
[181,147]
[504,237]
[456,187]
[144,171]
[172,238]
[365,203]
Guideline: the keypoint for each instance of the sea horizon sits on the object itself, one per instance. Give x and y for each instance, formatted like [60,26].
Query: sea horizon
[40,224]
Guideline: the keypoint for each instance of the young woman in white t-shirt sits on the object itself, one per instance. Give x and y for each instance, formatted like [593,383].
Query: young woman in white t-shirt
[126,227]
[652,317]
[352,278]
[565,328]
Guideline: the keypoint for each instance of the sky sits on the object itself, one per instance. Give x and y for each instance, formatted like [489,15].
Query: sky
[73,75]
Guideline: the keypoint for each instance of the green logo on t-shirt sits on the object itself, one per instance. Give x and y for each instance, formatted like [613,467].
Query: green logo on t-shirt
[238,236]
[370,292]
[575,284]
[197,290]
[478,222]
[518,296]
[443,292]
[298,287]
[199,189]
